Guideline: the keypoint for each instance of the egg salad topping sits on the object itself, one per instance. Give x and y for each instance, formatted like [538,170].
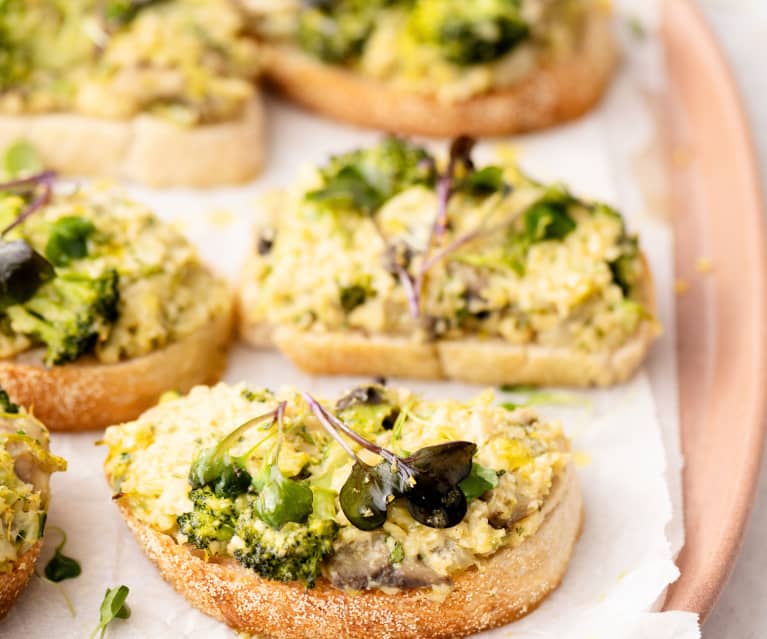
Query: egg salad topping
[452,49]
[354,247]
[253,474]
[186,60]
[120,284]
[25,467]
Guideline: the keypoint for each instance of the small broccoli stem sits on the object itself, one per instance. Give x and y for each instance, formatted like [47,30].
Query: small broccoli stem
[44,180]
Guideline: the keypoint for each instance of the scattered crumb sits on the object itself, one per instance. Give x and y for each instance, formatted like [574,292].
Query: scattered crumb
[681,157]
[704,265]
[220,217]
[103,184]
[604,5]
[637,28]
[622,575]
[581,459]
[179,224]
[681,286]
[508,153]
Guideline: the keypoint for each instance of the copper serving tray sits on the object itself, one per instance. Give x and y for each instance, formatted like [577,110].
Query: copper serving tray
[722,319]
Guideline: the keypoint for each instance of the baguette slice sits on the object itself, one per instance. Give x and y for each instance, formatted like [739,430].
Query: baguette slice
[145,149]
[503,588]
[13,582]
[88,395]
[472,359]
[552,94]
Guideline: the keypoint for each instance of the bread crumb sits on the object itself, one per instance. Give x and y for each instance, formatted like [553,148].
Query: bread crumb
[581,459]
[681,286]
[704,265]
[220,217]
[508,153]
[681,157]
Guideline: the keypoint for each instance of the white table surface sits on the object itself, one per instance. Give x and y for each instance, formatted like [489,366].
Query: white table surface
[742,28]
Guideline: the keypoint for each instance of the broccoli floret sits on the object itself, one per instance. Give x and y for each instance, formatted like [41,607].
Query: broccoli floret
[294,552]
[366,178]
[336,30]
[69,314]
[469,33]
[211,521]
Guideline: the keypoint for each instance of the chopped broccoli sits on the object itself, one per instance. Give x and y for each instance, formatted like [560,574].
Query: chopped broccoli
[293,552]
[69,314]
[626,269]
[6,405]
[68,240]
[365,179]
[212,519]
[469,33]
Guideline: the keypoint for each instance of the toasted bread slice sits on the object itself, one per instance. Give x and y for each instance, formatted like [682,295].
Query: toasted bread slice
[13,582]
[553,93]
[471,359]
[89,395]
[145,149]
[503,588]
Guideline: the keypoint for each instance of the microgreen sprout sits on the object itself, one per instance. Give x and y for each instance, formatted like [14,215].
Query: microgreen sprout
[113,607]
[428,480]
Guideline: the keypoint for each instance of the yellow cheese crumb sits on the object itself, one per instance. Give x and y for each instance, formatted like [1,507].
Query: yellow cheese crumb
[681,286]
[704,265]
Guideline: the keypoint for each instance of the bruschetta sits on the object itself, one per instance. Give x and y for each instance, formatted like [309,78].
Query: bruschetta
[380,514]
[440,68]
[160,93]
[26,465]
[103,307]
[379,263]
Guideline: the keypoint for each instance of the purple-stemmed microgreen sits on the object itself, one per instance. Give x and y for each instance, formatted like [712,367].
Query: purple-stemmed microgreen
[40,186]
[428,480]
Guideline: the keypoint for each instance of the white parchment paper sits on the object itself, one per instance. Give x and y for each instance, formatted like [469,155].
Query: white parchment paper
[626,440]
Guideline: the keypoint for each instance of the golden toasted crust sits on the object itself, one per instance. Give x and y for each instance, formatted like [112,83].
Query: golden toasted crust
[13,582]
[472,359]
[89,395]
[551,94]
[503,588]
[145,149]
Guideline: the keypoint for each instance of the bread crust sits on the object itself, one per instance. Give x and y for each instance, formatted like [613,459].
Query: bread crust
[551,94]
[89,395]
[146,148]
[503,588]
[471,359]
[13,582]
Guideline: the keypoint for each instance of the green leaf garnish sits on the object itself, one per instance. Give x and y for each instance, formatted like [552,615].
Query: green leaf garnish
[113,607]
[60,566]
[282,499]
[484,181]
[68,240]
[7,406]
[547,219]
[21,158]
[479,481]
[22,272]
[215,466]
